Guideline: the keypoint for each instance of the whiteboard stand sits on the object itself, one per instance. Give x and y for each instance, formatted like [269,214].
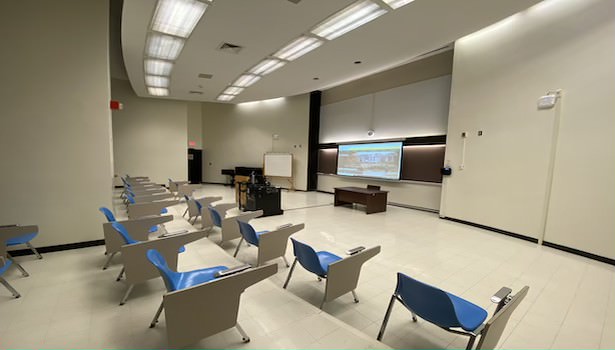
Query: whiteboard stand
[279,165]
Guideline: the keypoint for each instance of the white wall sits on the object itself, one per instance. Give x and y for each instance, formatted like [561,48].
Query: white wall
[195,125]
[498,74]
[239,135]
[56,124]
[150,136]
[417,109]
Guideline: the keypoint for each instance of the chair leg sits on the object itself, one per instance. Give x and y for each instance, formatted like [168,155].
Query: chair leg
[10,288]
[123,301]
[285,261]
[184,214]
[471,342]
[244,336]
[24,273]
[386,318]
[290,273]
[155,320]
[354,295]
[38,256]
[119,277]
[238,246]
[108,261]
[322,303]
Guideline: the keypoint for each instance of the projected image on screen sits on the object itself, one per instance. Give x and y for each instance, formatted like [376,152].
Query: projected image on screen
[381,160]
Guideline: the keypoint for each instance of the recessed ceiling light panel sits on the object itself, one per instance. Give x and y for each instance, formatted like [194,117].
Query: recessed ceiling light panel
[155,91]
[395,4]
[156,81]
[158,67]
[225,98]
[163,46]
[267,66]
[246,80]
[232,90]
[178,17]
[350,18]
[298,48]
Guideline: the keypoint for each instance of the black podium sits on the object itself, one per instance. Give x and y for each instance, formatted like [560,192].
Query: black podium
[265,198]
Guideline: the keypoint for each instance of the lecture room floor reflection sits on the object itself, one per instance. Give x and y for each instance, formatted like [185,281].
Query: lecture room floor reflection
[68,301]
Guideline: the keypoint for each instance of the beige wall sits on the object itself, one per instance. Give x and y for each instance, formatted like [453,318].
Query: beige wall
[195,124]
[150,136]
[498,75]
[56,124]
[239,135]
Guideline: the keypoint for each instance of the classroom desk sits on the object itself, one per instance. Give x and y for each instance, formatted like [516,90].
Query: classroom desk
[374,200]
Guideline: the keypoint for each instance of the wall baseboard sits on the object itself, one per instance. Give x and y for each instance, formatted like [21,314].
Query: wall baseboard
[401,205]
[493,229]
[58,248]
[579,252]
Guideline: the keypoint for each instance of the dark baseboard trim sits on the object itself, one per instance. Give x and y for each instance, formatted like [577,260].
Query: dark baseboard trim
[118,186]
[58,248]
[406,206]
[214,183]
[324,192]
[579,252]
[489,228]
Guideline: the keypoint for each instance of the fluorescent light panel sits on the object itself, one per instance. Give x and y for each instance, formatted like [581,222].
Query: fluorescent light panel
[267,66]
[395,4]
[348,19]
[225,97]
[156,91]
[298,48]
[158,67]
[156,81]
[232,90]
[178,17]
[164,46]
[246,80]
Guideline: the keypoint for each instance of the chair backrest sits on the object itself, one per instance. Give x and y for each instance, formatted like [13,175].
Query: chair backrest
[123,232]
[373,187]
[215,216]
[430,303]
[108,214]
[307,258]
[248,232]
[168,275]
[495,326]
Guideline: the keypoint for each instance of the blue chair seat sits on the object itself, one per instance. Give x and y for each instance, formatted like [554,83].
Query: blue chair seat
[21,239]
[153,229]
[326,258]
[192,278]
[7,264]
[469,315]
[164,211]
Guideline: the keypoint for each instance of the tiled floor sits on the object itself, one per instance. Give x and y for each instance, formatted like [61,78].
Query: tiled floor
[70,301]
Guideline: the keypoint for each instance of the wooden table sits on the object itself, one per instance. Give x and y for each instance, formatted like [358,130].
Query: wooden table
[374,200]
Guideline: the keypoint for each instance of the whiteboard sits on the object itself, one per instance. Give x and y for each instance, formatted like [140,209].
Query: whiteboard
[278,164]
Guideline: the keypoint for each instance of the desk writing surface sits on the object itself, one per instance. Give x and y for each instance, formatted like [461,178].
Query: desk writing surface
[360,190]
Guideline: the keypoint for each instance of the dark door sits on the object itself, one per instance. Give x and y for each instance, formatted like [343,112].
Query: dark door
[195,166]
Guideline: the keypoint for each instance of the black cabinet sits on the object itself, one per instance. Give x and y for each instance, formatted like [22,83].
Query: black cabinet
[265,198]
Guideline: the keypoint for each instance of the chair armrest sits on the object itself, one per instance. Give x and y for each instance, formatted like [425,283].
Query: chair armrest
[356,250]
[8,232]
[232,271]
[173,233]
[138,210]
[213,306]
[134,256]
[206,201]
[148,198]
[273,244]
[343,275]
[137,228]
[230,227]
[222,208]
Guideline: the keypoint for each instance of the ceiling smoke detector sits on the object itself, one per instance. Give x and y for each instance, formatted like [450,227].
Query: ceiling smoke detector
[230,48]
[196,92]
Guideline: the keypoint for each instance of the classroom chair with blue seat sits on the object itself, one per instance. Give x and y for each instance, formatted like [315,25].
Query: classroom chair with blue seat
[139,229]
[270,244]
[25,240]
[203,302]
[5,263]
[229,229]
[453,313]
[137,268]
[342,274]
[195,209]
[17,235]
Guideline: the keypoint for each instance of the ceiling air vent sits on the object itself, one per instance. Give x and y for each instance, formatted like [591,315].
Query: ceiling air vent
[205,76]
[294,1]
[230,48]
[196,92]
